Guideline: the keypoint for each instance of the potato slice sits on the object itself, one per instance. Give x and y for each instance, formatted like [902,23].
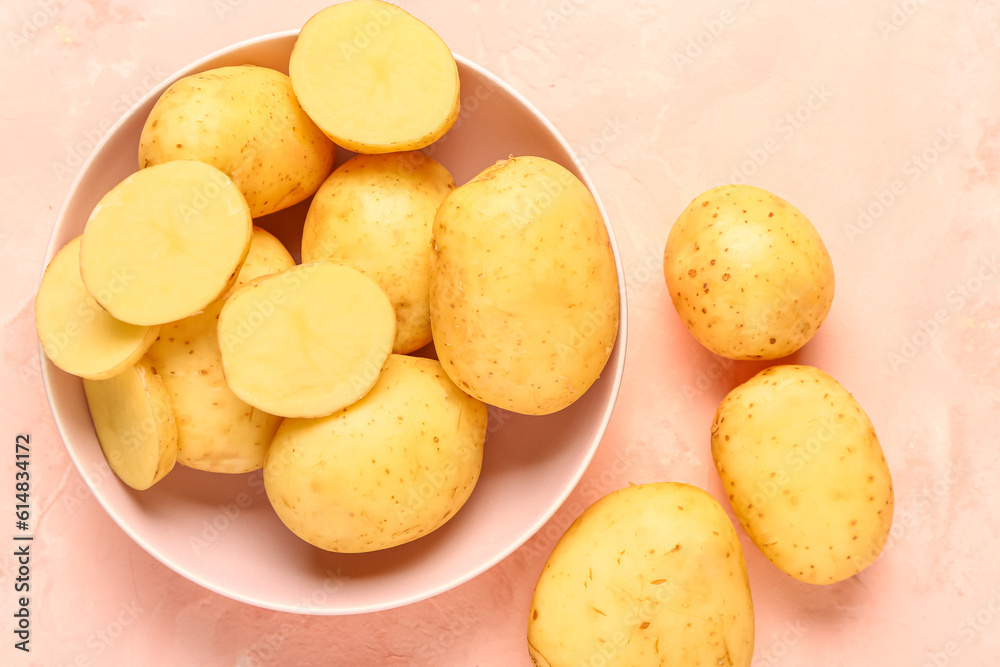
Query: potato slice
[308,341]
[135,424]
[216,431]
[376,213]
[78,335]
[374,78]
[165,242]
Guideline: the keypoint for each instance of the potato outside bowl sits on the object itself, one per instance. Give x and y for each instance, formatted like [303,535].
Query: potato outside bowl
[220,530]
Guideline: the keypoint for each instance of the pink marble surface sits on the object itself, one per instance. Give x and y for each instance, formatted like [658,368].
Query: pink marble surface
[879,120]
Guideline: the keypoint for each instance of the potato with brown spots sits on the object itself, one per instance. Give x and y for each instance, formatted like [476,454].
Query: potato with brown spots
[648,575]
[246,121]
[524,287]
[375,212]
[805,473]
[748,273]
[386,470]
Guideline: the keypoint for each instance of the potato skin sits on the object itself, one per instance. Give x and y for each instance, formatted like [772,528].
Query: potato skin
[524,298]
[805,473]
[245,121]
[748,274]
[384,471]
[376,213]
[651,574]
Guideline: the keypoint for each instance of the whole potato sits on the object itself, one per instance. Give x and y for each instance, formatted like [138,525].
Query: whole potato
[648,575]
[524,289]
[245,121]
[388,469]
[376,213]
[805,473]
[748,273]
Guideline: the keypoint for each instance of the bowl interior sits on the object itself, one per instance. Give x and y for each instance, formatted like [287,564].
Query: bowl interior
[220,531]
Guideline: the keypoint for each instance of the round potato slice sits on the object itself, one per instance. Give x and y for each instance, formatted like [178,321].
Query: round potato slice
[78,335]
[374,78]
[135,424]
[308,341]
[165,242]
[376,212]
[216,431]
[390,468]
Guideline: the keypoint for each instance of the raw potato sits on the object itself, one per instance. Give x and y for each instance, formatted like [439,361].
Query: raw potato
[78,335]
[308,341]
[384,471]
[165,242]
[245,121]
[648,575]
[524,289]
[804,472]
[135,424]
[216,431]
[376,213]
[748,273]
[374,78]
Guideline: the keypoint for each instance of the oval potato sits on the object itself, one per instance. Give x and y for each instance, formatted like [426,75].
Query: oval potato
[805,473]
[524,289]
[648,575]
[384,471]
[748,274]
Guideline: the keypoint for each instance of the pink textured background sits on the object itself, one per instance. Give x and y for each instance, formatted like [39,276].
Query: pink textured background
[879,120]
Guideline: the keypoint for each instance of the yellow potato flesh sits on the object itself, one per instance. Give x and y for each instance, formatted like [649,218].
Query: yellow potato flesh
[748,273]
[307,341]
[376,213]
[648,575]
[134,423]
[374,78]
[524,292]
[805,473]
[390,468]
[216,431]
[77,334]
[165,242]
[245,121]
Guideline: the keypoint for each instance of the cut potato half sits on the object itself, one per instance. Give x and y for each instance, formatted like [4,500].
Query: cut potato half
[135,424]
[165,242]
[374,78]
[77,335]
[308,341]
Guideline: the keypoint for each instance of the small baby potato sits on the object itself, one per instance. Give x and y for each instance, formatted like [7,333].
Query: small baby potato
[748,273]
[392,467]
[805,473]
[648,575]
[245,121]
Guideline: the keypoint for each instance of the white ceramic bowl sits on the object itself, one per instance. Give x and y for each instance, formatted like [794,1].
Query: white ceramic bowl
[220,531]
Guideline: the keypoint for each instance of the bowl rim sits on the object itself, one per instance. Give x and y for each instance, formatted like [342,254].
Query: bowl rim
[618,353]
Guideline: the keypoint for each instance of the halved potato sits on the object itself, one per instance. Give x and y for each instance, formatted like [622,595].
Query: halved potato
[135,424]
[78,335]
[165,242]
[374,78]
[308,341]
